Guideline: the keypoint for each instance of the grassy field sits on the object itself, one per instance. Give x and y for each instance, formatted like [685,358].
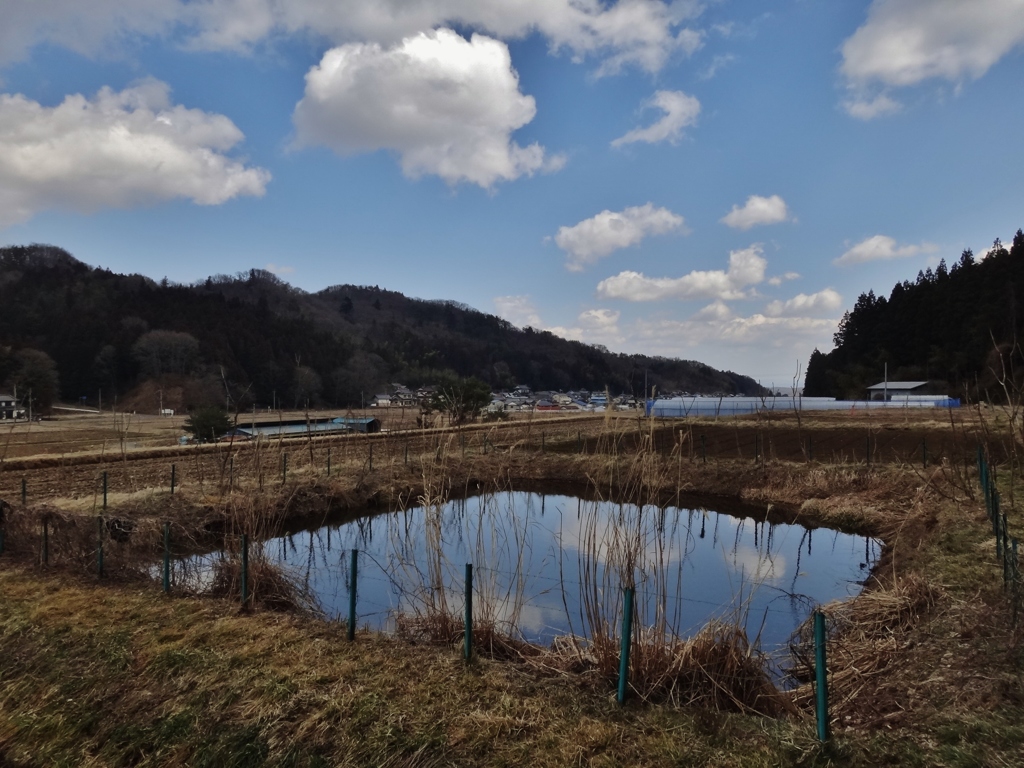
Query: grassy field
[925,666]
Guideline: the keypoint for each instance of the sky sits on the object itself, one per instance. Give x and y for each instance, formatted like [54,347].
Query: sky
[713,180]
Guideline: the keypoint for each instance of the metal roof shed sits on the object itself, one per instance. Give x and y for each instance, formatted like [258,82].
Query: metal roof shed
[365,424]
[888,389]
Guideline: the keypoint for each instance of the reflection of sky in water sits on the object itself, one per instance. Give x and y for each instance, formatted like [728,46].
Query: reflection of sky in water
[540,560]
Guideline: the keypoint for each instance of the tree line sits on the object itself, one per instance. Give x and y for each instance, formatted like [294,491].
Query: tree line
[959,326]
[251,339]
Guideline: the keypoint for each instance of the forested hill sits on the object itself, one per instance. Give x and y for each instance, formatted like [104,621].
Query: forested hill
[261,338]
[957,326]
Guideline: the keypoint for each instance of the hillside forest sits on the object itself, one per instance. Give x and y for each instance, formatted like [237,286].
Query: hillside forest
[72,332]
[957,326]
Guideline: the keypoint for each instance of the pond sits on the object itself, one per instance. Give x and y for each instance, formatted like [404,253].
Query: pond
[549,565]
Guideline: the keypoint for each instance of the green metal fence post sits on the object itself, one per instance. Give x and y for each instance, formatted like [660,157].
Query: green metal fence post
[173,472]
[245,570]
[284,468]
[468,628]
[354,571]
[99,548]
[627,642]
[986,490]
[821,676]
[167,558]
[1006,551]
[371,457]
[1015,581]
[995,523]
[104,491]
[328,462]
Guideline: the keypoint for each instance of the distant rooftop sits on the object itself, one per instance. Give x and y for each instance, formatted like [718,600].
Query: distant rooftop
[898,386]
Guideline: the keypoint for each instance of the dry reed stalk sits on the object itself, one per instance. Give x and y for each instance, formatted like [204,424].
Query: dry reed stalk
[270,586]
[862,641]
[717,668]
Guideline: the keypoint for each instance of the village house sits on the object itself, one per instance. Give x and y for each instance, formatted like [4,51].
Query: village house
[405,399]
[9,408]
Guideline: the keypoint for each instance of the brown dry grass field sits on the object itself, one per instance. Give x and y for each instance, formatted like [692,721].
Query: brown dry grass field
[925,665]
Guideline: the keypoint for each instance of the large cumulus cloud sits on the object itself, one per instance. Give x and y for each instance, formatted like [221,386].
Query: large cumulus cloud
[444,104]
[116,149]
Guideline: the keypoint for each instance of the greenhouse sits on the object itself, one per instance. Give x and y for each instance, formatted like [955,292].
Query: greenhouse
[702,405]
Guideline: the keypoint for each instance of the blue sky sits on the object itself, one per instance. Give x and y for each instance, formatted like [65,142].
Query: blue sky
[715,180]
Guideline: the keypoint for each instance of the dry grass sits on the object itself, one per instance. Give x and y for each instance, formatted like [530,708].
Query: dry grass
[866,636]
[400,702]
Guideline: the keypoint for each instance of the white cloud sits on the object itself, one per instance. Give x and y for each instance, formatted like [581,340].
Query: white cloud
[863,109]
[117,149]
[717,63]
[746,268]
[445,104]
[757,210]
[882,247]
[715,334]
[779,279]
[991,249]
[85,27]
[594,238]
[717,310]
[680,111]
[827,300]
[905,42]
[668,336]
[593,326]
[518,310]
[642,33]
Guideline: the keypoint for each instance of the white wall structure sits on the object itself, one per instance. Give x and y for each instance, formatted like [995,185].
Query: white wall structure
[699,405]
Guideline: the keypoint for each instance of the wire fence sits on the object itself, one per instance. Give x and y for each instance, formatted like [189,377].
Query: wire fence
[267,464]
[1006,545]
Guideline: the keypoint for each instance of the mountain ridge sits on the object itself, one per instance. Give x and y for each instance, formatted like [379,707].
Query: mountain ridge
[254,333]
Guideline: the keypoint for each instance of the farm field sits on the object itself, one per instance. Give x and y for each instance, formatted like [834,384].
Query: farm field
[924,666]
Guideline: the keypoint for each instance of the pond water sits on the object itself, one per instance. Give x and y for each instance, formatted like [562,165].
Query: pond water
[551,565]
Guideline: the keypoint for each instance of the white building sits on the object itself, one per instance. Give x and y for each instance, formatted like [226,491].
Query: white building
[9,407]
